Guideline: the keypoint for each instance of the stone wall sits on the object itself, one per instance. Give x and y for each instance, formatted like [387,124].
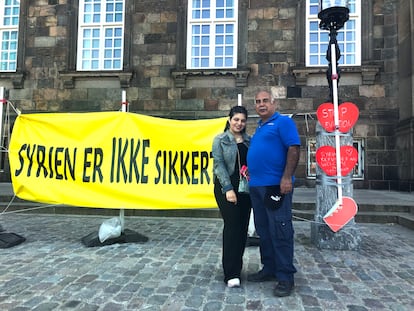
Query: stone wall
[271,55]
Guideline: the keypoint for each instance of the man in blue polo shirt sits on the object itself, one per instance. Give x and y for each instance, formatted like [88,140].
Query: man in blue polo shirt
[272,160]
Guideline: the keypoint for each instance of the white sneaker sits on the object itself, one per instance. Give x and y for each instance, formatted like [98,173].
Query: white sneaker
[233,282]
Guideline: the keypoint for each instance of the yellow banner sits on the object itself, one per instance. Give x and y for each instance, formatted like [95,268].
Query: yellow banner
[113,160]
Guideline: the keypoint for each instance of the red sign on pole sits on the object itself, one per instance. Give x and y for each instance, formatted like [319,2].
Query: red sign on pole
[347,112]
[340,214]
[326,158]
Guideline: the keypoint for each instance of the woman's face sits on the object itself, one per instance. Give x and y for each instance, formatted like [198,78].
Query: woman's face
[237,122]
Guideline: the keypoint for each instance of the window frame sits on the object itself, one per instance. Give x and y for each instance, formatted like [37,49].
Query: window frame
[212,23]
[311,164]
[102,26]
[16,77]
[11,28]
[355,16]
[180,73]
[70,74]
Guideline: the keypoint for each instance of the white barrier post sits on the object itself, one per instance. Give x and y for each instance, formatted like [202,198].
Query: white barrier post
[2,101]
[124,108]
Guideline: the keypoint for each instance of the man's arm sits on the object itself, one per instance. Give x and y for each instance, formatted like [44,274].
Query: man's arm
[292,160]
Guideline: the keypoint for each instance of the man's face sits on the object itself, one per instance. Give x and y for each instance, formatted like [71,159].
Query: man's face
[265,107]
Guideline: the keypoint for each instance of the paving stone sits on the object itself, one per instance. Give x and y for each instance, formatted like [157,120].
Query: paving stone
[179,269]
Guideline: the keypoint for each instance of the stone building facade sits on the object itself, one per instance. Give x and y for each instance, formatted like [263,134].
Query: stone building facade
[271,54]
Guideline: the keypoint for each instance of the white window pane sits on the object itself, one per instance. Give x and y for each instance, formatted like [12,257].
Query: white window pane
[86,64]
[205,40]
[205,29]
[314,26]
[117,43]
[350,48]
[196,14]
[314,48]
[196,41]
[86,54]
[87,8]
[314,37]
[107,64]
[118,17]
[350,59]
[196,29]
[205,51]
[95,44]
[205,14]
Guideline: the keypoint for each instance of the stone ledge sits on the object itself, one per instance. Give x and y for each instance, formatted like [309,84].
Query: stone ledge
[180,76]
[16,78]
[367,72]
[69,78]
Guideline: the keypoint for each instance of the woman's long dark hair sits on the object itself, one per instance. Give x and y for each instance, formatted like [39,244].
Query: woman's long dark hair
[233,111]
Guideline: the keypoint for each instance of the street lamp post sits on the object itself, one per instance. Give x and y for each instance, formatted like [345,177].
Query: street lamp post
[332,14]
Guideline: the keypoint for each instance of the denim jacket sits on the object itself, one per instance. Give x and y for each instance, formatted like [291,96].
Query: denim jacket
[225,156]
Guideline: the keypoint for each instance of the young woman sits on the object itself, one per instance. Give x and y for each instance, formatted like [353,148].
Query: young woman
[229,154]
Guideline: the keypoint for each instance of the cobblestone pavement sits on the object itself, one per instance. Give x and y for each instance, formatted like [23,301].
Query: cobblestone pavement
[179,268]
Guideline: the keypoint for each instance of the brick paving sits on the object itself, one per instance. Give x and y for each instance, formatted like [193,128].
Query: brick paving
[179,268]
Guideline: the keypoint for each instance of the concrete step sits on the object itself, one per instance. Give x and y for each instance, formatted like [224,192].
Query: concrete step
[367,213]
[374,206]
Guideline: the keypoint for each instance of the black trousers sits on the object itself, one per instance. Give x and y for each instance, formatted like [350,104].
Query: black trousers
[236,221]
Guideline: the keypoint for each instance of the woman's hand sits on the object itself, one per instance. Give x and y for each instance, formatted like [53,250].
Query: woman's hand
[231,196]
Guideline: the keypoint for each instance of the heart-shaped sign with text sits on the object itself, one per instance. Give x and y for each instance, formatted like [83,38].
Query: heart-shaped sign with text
[347,114]
[326,159]
[340,214]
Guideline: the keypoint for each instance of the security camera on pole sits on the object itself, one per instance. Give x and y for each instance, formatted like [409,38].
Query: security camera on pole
[334,226]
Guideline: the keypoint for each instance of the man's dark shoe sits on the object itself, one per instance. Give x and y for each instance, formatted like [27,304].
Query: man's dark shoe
[260,276]
[283,288]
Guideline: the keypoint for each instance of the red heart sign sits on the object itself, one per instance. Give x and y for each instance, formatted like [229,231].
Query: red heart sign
[326,158]
[340,214]
[347,114]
